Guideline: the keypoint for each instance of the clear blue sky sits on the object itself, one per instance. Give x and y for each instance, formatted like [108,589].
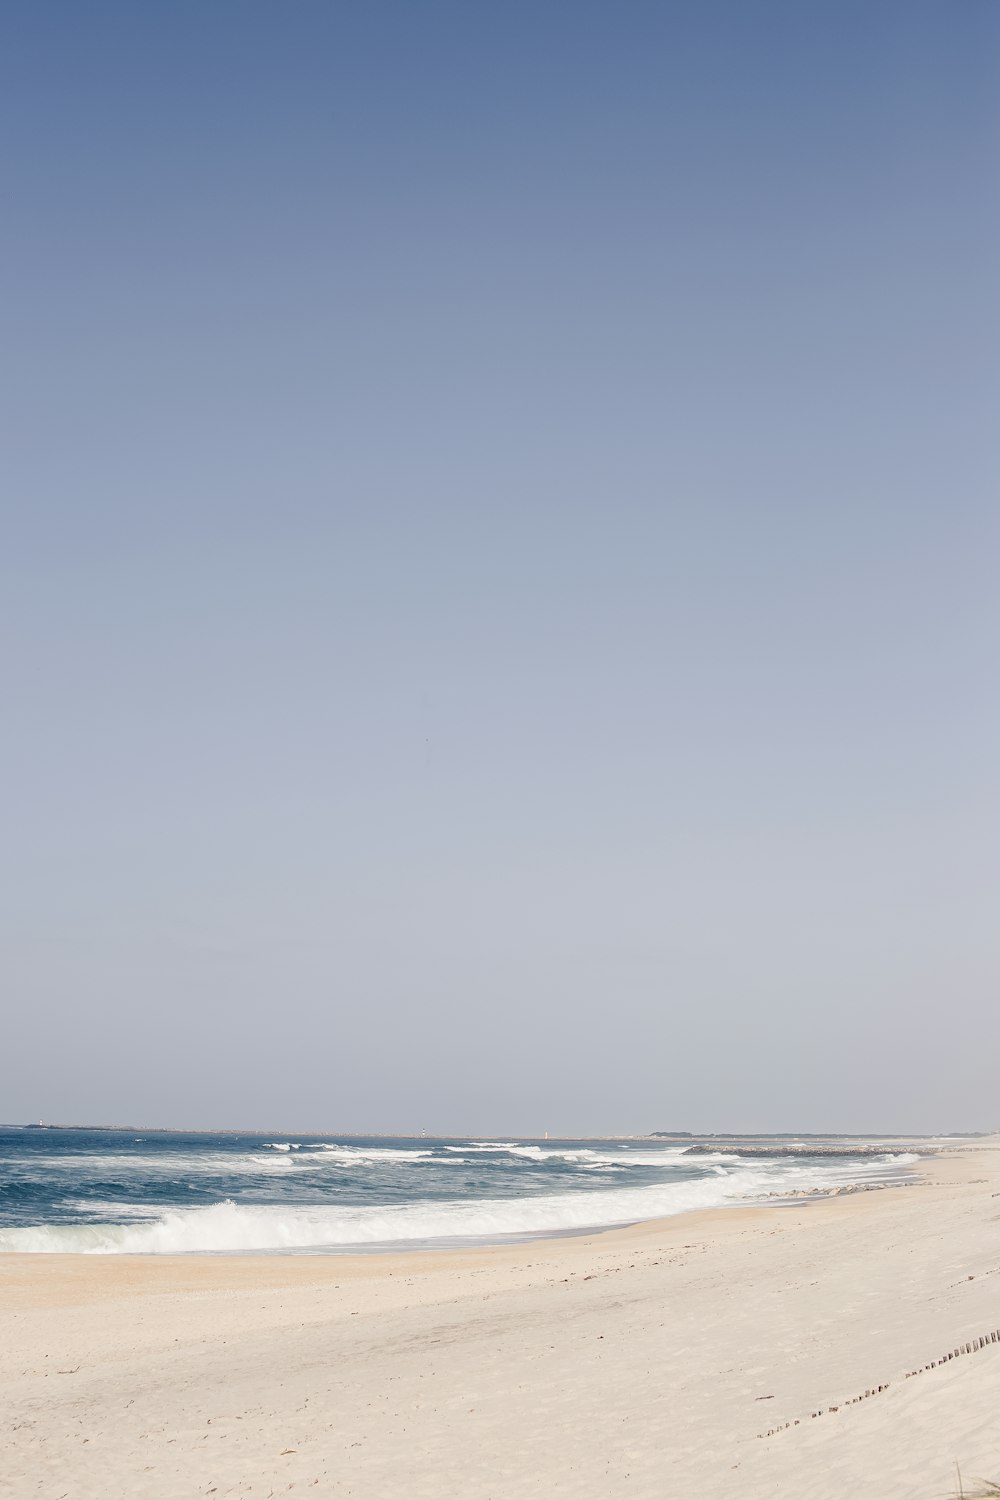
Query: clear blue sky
[499,564]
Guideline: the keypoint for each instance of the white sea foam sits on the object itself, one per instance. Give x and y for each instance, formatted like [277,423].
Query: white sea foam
[374,1154]
[233,1227]
[668,1157]
[485,1146]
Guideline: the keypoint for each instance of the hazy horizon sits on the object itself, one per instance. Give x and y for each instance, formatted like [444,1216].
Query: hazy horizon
[499,551]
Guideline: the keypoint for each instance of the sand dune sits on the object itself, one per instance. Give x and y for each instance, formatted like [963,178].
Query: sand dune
[646,1362]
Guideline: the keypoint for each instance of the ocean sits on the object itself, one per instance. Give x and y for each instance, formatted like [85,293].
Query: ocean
[106,1192]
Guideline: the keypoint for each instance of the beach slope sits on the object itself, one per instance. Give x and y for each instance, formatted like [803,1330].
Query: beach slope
[680,1358]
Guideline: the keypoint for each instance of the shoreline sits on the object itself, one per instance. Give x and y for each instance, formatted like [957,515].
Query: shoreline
[456,1245]
[446,1250]
[514,1242]
[870,1165]
[636,1361]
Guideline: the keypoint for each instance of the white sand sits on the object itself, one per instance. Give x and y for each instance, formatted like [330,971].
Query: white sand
[634,1363]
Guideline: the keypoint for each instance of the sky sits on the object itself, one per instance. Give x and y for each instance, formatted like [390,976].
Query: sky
[499,540]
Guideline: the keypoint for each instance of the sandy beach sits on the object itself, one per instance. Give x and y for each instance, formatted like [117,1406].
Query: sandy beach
[650,1361]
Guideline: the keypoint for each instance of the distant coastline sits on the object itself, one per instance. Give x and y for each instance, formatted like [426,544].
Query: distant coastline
[469,1135]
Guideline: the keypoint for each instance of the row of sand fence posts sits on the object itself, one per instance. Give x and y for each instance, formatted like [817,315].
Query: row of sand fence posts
[972,1348]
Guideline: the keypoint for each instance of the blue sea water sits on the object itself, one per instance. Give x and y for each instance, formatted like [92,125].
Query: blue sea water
[135,1192]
